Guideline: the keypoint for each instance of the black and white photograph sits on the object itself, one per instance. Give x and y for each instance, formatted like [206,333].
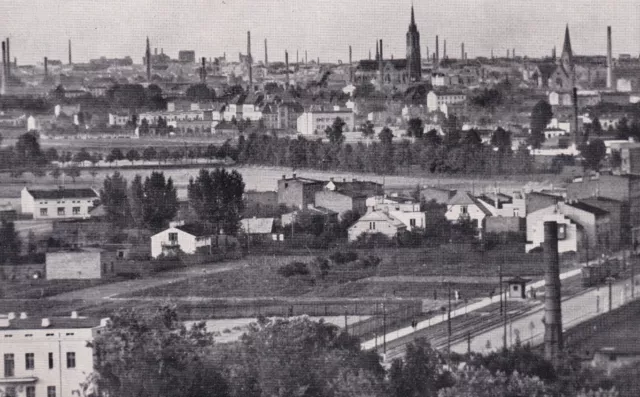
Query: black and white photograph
[320,198]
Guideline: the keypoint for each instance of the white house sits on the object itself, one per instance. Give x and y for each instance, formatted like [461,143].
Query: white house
[180,237]
[436,99]
[465,205]
[376,222]
[500,204]
[47,356]
[316,122]
[567,229]
[58,203]
[404,209]
[119,119]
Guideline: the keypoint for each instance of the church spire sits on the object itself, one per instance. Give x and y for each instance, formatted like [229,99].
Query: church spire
[413,18]
[566,47]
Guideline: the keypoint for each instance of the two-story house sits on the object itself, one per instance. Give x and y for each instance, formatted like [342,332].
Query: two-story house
[58,203]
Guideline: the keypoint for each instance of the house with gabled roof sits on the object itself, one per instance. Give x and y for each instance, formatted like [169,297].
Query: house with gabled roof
[465,205]
[180,237]
[376,222]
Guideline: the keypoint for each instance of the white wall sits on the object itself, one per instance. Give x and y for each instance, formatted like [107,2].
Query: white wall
[188,243]
[535,230]
[361,227]
[454,211]
[419,218]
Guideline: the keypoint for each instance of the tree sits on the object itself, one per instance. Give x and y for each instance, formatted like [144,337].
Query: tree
[113,197]
[420,373]
[81,156]
[415,128]
[115,155]
[386,136]
[593,153]
[150,353]
[501,139]
[160,200]
[55,173]
[334,132]
[479,382]
[215,197]
[9,243]
[432,138]
[72,172]
[149,154]
[368,129]
[136,200]
[163,155]
[51,155]
[144,126]
[132,155]
[27,151]
[540,117]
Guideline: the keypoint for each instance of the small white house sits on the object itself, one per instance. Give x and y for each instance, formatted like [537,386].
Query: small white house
[376,222]
[465,205]
[58,203]
[186,238]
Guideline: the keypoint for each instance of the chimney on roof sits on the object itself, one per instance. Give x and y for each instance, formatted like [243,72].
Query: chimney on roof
[45,323]
[23,316]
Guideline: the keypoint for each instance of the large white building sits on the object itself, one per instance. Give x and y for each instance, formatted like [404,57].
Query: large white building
[46,357]
[316,122]
[436,99]
[180,238]
[58,203]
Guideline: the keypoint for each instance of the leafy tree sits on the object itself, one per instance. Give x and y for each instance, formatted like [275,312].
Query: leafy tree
[415,128]
[163,155]
[335,131]
[593,153]
[481,383]
[113,197]
[144,126]
[432,138]
[368,129]
[501,139]
[132,155]
[72,172]
[51,155]
[215,197]
[55,173]
[136,201]
[419,374]
[152,354]
[82,156]
[160,200]
[149,154]
[27,150]
[9,243]
[115,155]
[386,136]
[540,117]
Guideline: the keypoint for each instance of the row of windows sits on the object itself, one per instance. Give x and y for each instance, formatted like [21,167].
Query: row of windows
[61,211]
[63,202]
[29,362]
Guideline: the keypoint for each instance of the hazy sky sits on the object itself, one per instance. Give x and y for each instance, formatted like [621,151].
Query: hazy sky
[325,28]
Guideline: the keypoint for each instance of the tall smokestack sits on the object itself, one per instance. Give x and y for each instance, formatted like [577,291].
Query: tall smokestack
[8,60]
[444,50]
[350,55]
[3,87]
[577,132]
[380,64]
[286,65]
[609,59]
[266,54]
[428,54]
[381,53]
[203,71]
[461,50]
[513,53]
[148,60]
[437,49]
[306,59]
[250,60]
[70,53]
[369,53]
[552,301]
[46,67]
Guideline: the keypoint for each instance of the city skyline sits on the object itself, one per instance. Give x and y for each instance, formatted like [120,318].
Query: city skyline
[324,28]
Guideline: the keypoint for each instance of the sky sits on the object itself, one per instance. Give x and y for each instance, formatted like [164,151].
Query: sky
[325,28]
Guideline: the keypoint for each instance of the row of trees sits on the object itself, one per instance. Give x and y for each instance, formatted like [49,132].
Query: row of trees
[152,354]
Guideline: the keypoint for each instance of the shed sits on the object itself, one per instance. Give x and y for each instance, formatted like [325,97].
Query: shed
[516,287]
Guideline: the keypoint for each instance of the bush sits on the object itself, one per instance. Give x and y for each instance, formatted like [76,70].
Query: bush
[365,263]
[343,257]
[293,269]
[375,240]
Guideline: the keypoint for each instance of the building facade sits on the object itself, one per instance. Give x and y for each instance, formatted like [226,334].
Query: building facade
[61,203]
[180,238]
[316,122]
[46,357]
[80,265]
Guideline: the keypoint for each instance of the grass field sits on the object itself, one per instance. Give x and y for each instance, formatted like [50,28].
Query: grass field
[41,288]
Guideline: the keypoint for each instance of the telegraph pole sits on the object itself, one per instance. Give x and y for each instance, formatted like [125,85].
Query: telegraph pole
[449,319]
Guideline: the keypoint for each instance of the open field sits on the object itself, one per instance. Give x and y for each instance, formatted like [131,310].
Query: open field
[41,288]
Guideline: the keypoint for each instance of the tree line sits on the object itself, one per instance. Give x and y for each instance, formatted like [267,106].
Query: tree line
[151,353]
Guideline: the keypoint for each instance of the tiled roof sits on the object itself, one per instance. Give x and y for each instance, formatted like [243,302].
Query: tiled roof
[63,193]
[195,229]
[55,323]
[381,216]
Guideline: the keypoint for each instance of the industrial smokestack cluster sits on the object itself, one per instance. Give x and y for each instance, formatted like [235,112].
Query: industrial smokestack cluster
[553,343]
[609,59]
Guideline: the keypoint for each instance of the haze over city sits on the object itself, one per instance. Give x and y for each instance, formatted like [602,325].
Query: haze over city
[324,28]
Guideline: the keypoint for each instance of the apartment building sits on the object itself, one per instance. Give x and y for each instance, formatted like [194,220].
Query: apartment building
[61,203]
[46,357]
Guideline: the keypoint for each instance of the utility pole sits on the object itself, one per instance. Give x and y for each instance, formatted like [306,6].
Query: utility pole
[449,319]
[610,282]
[469,343]
[384,329]
[500,289]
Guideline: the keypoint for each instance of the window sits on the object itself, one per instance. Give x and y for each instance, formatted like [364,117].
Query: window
[464,209]
[51,391]
[31,391]
[29,361]
[10,391]
[71,360]
[43,212]
[76,210]
[50,360]
[173,237]
[412,222]
[60,211]
[9,365]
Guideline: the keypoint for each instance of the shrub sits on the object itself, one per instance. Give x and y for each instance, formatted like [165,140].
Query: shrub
[293,269]
[343,257]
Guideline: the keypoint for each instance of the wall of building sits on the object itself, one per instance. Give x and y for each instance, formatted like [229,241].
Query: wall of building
[79,265]
[503,224]
[418,218]
[187,243]
[48,209]
[473,212]
[340,203]
[297,193]
[535,230]
[41,342]
[372,227]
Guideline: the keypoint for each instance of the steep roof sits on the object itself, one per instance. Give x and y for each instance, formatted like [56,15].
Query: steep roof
[598,212]
[381,216]
[63,193]
[195,229]
[566,47]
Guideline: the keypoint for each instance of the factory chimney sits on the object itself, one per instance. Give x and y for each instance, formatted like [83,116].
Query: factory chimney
[8,61]
[444,50]
[427,54]
[513,53]
[462,50]
[46,67]
[148,60]
[266,54]
[3,88]
[609,59]
[578,135]
[437,49]
[380,64]
[286,65]
[306,59]
[552,301]
[350,55]
[250,60]
[70,53]
[203,71]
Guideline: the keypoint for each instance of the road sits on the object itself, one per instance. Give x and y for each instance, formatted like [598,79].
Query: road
[575,310]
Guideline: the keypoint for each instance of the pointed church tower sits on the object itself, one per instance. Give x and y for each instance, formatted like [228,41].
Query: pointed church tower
[414,60]
[566,59]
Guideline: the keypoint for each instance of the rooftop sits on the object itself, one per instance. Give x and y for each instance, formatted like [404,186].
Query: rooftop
[63,193]
[588,208]
[195,229]
[18,323]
